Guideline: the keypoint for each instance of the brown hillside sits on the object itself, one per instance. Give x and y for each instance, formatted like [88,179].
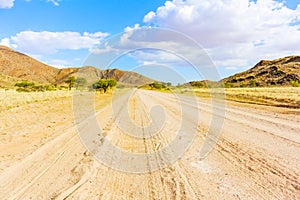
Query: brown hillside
[18,65]
[7,82]
[279,72]
[92,74]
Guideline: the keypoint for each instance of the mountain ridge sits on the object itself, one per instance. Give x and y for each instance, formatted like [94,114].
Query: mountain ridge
[266,73]
[279,72]
[23,67]
[16,66]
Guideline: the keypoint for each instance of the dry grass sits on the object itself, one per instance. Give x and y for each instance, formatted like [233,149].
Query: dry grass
[11,98]
[279,96]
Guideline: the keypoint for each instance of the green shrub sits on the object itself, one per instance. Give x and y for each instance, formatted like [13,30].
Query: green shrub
[24,84]
[228,85]
[156,85]
[295,84]
[253,83]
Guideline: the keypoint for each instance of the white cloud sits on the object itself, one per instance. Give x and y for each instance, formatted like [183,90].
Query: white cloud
[58,63]
[6,3]
[149,17]
[55,2]
[10,3]
[148,45]
[234,32]
[50,42]
[5,42]
[129,29]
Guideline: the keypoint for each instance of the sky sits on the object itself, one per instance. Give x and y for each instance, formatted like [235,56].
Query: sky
[153,37]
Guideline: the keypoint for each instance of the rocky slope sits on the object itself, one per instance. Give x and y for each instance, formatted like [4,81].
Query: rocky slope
[279,72]
[15,66]
[21,66]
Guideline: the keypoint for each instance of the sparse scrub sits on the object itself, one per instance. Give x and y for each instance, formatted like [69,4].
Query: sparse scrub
[275,96]
[295,84]
[26,86]
[10,99]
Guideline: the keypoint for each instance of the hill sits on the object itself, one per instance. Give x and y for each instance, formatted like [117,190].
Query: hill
[16,66]
[279,72]
[266,73]
[92,74]
[21,66]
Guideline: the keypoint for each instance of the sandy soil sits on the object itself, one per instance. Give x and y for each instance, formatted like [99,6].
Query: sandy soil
[43,157]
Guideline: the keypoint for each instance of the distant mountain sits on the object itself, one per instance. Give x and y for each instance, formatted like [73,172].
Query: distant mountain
[16,66]
[266,73]
[92,74]
[279,72]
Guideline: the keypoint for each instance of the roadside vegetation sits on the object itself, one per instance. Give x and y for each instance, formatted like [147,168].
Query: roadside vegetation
[275,96]
[272,96]
[25,86]
[102,85]
[158,86]
[12,99]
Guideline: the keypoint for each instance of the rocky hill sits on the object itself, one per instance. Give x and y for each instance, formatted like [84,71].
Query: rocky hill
[21,66]
[15,66]
[279,72]
[92,74]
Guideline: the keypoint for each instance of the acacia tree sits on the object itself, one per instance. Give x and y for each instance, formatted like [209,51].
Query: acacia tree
[71,82]
[104,84]
[80,82]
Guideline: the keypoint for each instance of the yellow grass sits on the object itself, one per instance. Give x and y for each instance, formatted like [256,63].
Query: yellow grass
[279,96]
[11,98]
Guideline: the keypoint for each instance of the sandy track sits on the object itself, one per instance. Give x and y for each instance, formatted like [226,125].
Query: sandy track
[257,157]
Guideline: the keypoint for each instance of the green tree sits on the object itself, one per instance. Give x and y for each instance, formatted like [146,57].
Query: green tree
[71,82]
[80,82]
[104,84]
[112,82]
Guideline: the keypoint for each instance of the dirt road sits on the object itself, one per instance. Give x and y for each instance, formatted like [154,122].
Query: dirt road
[256,157]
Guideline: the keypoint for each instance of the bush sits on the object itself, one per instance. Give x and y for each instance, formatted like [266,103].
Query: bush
[228,85]
[23,89]
[50,87]
[24,84]
[295,84]
[253,83]
[156,85]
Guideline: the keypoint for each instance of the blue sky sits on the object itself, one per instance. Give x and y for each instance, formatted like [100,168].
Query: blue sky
[235,34]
